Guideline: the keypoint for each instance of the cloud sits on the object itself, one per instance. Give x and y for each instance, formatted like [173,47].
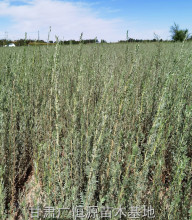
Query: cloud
[67,20]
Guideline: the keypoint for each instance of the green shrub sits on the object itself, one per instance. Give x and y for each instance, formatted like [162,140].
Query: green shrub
[100,124]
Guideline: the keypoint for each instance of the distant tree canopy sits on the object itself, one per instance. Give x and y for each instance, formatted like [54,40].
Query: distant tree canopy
[139,40]
[24,42]
[88,41]
[103,41]
[179,34]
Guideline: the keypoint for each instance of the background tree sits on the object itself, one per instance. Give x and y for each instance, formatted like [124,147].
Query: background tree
[178,34]
[103,41]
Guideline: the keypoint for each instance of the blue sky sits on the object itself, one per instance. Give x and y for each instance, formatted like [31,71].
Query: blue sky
[104,19]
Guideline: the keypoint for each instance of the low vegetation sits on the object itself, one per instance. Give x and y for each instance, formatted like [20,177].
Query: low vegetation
[96,125]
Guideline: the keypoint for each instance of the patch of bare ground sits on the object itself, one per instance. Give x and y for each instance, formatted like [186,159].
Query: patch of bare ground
[30,197]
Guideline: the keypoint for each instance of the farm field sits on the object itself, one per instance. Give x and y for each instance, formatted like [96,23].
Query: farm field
[104,125]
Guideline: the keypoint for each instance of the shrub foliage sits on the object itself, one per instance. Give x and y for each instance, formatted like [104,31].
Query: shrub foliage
[104,125]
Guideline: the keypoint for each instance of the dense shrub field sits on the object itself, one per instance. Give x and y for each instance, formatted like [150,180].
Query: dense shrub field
[104,125]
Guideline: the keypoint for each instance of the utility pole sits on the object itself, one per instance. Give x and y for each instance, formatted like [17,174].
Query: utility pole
[6,35]
[5,38]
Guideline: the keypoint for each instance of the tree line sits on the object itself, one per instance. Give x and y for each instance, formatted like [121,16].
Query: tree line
[23,42]
[177,34]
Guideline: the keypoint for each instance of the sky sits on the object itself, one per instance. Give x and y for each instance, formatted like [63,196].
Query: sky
[105,19]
